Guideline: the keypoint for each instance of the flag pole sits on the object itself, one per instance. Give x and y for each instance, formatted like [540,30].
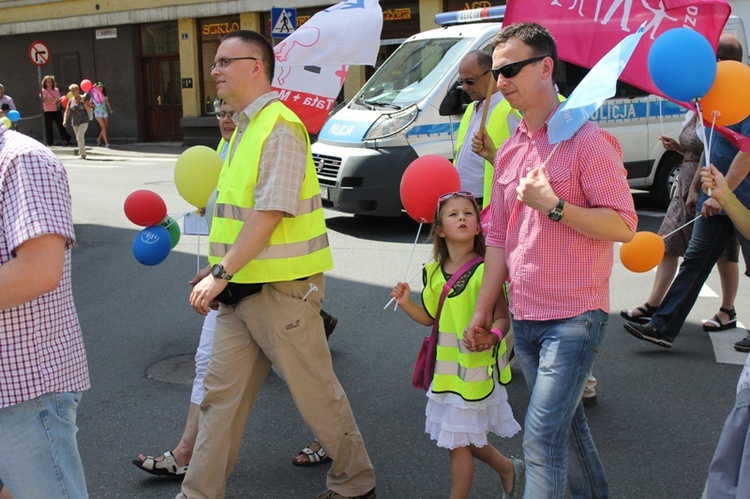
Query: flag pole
[486,107]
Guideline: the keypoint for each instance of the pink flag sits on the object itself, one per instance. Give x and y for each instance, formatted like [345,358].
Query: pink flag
[312,62]
[585,30]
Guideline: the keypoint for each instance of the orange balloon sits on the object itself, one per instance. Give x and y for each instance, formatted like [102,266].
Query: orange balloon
[643,253]
[728,98]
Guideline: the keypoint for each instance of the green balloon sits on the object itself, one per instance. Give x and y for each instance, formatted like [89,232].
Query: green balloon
[173,228]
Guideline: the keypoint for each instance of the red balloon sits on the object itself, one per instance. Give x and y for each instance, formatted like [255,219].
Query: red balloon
[424,181]
[86,85]
[64,101]
[145,208]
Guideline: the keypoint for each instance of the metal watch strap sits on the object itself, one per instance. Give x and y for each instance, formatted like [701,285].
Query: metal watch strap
[556,213]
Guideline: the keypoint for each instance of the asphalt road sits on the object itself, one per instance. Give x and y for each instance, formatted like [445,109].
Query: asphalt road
[656,423]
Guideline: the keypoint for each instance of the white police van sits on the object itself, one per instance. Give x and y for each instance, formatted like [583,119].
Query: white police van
[413,104]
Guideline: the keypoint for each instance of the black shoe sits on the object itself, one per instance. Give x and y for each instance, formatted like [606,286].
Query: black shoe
[647,332]
[743,345]
[329,324]
[329,494]
[588,401]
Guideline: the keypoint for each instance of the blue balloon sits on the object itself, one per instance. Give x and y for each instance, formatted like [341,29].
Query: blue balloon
[13,115]
[151,246]
[682,64]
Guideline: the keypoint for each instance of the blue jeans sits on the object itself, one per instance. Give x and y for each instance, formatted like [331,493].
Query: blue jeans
[39,456]
[710,237]
[556,357]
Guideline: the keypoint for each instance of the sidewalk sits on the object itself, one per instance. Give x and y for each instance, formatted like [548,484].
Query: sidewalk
[141,149]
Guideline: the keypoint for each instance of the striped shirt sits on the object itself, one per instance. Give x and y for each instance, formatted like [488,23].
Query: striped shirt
[554,271]
[41,346]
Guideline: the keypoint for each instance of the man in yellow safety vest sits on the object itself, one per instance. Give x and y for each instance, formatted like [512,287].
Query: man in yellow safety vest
[268,249]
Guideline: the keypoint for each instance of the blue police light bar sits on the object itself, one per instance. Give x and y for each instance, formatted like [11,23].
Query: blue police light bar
[470,16]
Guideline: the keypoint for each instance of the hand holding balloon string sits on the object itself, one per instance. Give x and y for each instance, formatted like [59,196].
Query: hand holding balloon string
[410,279]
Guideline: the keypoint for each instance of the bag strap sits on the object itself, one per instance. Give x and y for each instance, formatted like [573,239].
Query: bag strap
[447,289]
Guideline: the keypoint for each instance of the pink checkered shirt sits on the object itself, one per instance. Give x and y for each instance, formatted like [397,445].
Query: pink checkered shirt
[554,271]
[41,346]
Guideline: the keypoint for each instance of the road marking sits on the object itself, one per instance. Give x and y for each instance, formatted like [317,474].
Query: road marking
[723,343]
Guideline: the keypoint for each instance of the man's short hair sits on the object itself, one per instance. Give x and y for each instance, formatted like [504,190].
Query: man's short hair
[537,37]
[261,43]
[729,49]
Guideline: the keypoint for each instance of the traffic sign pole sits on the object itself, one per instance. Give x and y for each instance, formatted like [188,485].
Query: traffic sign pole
[41,98]
[39,55]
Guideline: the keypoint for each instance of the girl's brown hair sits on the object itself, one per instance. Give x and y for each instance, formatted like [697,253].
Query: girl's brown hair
[440,248]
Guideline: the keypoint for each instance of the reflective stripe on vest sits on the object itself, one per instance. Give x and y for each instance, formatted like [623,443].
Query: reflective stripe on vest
[457,370]
[497,129]
[298,246]
[232,212]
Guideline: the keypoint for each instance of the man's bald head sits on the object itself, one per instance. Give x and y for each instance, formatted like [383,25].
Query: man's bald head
[729,48]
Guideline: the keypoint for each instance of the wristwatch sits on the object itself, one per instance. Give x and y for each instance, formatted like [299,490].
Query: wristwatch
[556,213]
[219,273]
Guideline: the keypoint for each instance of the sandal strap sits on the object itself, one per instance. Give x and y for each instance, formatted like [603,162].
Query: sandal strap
[168,463]
[731,313]
[314,456]
[649,308]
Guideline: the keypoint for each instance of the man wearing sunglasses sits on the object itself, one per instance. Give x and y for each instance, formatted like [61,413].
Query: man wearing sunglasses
[476,80]
[555,211]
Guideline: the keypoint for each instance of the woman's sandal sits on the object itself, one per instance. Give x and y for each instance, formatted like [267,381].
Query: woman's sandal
[163,467]
[646,312]
[314,458]
[715,324]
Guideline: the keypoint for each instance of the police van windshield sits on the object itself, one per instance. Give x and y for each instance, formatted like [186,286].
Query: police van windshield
[411,73]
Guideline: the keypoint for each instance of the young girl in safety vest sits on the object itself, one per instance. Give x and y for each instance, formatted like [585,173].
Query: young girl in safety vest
[465,401]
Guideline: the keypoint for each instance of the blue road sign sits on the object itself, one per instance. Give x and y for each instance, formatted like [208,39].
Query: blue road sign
[283,21]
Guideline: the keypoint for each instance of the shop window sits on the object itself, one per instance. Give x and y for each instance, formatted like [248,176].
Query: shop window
[210,32]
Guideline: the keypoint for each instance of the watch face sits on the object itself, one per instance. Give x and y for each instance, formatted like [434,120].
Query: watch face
[217,270]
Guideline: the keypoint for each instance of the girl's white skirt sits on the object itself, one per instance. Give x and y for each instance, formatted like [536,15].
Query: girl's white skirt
[454,422]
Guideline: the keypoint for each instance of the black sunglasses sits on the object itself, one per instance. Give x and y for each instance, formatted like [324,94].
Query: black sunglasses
[472,81]
[511,70]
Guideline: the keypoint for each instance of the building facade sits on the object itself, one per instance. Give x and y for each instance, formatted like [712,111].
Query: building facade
[154,55]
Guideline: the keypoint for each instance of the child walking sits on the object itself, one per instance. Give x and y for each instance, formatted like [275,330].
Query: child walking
[465,402]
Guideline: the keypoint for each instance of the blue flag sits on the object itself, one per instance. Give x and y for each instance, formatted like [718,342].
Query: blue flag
[599,85]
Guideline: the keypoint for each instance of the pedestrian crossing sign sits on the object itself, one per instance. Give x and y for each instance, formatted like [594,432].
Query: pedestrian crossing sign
[283,21]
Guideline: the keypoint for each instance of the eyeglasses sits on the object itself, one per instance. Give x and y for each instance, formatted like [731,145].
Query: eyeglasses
[220,115]
[511,70]
[472,81]
[445,197]
[222,63]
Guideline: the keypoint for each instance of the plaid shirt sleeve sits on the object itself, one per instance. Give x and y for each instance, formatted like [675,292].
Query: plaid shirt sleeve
[282,169]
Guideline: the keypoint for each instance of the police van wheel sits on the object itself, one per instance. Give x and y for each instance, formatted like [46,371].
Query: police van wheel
[665,182]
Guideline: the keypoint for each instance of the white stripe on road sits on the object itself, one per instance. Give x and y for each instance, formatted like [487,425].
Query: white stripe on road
[723,343]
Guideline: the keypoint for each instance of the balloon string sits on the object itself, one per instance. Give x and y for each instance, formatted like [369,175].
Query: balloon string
[550,154]
[176,218]
[681,227]
[410,279]
[661,117]
[710,138]
[198,254]
[411,257]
